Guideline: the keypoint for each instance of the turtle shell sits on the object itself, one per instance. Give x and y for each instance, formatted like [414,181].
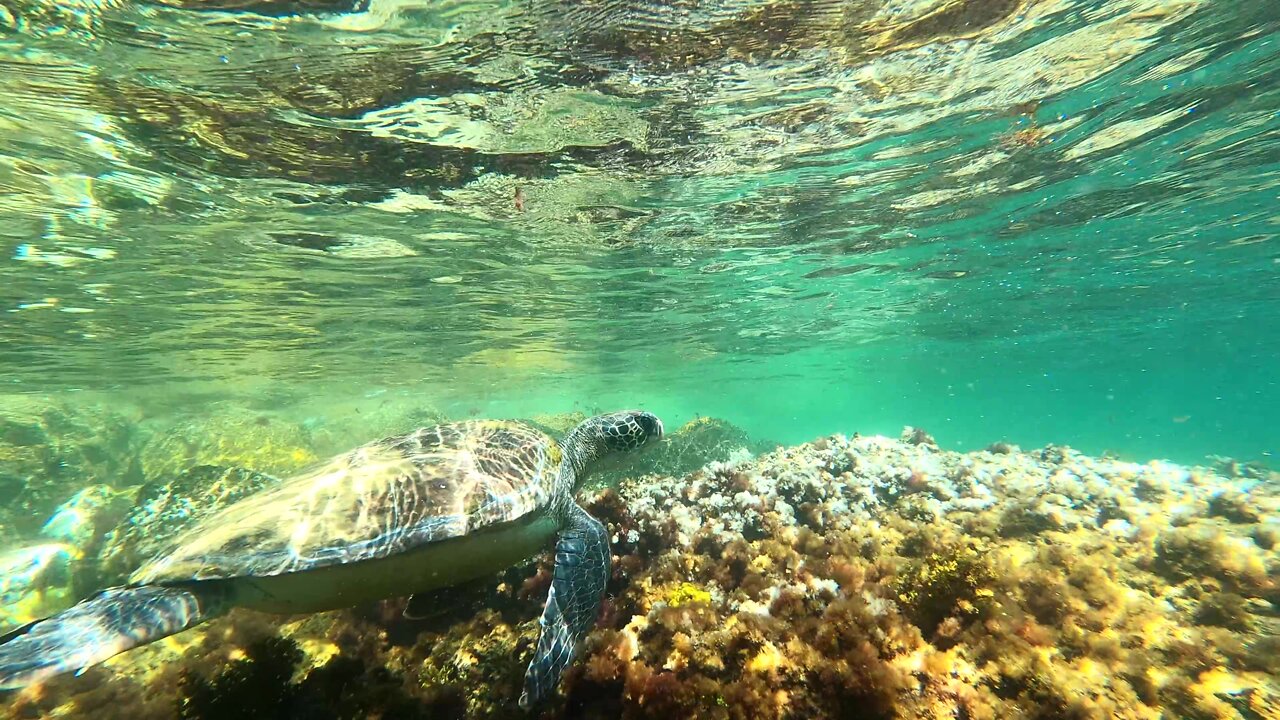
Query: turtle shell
[380,499]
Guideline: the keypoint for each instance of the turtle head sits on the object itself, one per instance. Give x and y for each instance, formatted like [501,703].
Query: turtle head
[627,430]
[605,435]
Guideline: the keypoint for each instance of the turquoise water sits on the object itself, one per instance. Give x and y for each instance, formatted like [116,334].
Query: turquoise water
[1040,222]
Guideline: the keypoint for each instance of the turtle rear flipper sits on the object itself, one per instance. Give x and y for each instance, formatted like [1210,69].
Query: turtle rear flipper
[98,628]
[573,603]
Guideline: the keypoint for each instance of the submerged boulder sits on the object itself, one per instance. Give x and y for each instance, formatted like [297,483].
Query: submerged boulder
[50,450]
[41,577]
[35,581]
[698,442]
[239,438]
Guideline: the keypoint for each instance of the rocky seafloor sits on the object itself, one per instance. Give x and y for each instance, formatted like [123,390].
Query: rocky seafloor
[850,577]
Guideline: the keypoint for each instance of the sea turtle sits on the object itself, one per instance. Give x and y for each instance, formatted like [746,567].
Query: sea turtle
[410,513]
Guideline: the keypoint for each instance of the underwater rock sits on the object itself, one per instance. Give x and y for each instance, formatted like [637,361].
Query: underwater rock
[916,436]
[40,578]
[693,445]
[35,582]
[1235,507]
[163,509]
[236,438]
[1234,468]
[82,520]
[849,577]
[50,450]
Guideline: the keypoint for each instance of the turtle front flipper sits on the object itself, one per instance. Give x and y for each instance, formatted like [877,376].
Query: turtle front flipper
[581,573]
[103,626]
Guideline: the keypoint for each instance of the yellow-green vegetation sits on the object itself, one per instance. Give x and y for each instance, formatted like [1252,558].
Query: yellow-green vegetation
[240,438]
[557,424]
[950,582]
[479,661]
[686,593]
[694,444]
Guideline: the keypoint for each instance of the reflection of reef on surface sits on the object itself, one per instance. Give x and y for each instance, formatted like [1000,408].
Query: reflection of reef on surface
[765,31]
[235,133]
[879,577]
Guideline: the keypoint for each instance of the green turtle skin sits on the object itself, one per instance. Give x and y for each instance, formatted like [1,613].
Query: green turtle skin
[432,508]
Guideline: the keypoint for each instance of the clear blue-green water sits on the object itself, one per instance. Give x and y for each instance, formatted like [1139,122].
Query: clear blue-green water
[1037,222]
[237,236]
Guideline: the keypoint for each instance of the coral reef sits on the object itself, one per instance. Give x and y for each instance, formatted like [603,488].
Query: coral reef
[849,577]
